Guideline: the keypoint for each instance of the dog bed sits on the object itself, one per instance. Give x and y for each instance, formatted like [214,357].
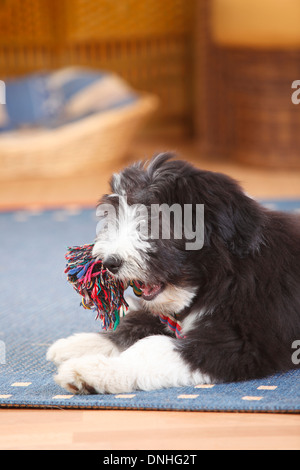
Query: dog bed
[63,122]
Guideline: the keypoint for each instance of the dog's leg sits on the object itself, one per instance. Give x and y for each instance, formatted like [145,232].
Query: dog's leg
[151,363]
[135,326]
[79,345]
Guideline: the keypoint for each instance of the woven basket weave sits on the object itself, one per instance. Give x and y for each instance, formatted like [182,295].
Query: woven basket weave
[74,148]
[126,18]
[244,110]
[26,22]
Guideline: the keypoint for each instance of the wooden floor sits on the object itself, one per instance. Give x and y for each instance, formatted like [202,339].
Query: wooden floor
[86,189]
[116,429]
[146,430]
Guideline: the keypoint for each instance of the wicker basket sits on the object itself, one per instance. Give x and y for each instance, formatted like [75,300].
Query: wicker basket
[148,43]
[74,148]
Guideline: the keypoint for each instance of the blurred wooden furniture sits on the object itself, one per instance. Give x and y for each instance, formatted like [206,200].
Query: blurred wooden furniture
[148,43]
[84,190]
[247,57]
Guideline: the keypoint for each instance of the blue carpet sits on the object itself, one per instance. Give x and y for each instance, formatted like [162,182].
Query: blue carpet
[38,306]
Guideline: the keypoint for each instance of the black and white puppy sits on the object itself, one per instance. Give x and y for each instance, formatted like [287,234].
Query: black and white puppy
[227,309]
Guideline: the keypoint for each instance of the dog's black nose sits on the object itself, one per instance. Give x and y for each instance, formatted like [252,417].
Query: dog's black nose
[113,264]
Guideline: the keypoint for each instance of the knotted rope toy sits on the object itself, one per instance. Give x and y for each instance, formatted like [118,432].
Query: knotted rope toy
[99,289]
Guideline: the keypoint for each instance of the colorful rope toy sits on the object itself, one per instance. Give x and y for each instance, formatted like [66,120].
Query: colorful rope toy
[100,291]
[97,286]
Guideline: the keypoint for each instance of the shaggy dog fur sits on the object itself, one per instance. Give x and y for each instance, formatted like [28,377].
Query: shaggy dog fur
[237,298]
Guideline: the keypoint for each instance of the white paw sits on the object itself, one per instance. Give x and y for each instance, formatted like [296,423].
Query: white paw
[88,374]
[79,345]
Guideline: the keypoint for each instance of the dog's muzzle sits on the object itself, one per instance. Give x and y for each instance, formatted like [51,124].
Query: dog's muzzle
[113,264]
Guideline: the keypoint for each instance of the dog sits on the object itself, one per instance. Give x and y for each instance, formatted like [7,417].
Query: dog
[223,310]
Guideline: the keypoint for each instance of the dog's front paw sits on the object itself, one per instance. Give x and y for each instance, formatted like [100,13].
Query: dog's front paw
[80,344]
[85,375]
[95,374]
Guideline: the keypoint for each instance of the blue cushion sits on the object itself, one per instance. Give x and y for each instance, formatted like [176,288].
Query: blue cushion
[33,101]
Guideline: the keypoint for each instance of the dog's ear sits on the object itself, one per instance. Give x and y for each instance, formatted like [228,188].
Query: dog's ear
[240,224]
[229,214]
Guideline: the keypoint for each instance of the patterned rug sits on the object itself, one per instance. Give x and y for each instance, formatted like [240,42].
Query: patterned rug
[38,306]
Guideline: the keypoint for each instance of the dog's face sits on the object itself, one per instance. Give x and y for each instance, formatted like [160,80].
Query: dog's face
[167,225]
